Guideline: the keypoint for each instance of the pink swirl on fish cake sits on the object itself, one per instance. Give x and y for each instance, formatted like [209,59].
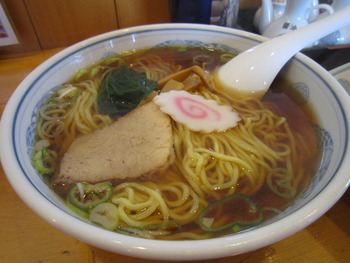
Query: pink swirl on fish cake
[195,109]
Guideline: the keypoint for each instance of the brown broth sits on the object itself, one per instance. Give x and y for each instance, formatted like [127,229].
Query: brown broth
[279,98]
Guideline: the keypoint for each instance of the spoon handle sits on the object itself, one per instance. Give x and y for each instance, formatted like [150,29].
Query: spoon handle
[252,72]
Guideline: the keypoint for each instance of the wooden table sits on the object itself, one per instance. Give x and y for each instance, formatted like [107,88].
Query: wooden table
[24,237]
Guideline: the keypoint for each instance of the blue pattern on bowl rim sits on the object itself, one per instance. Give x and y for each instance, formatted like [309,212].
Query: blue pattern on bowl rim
[303,89]
[194,43]
[342,74]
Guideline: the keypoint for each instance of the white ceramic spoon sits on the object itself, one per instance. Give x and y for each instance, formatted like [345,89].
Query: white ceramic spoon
[252,72]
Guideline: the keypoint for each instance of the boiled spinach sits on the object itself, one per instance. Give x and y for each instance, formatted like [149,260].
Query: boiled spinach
[122,90]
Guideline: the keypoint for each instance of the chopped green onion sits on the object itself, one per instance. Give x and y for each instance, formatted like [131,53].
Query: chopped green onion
[208,221]
[226,57]
[66,90]
[236,228]
[253,209]
[76,210]
[41,144]
[182,49]
[112,59]
[44,161]
[86,196]
[79,73]
[106,215]
[94,71]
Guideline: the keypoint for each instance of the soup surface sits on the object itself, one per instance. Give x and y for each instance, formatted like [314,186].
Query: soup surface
[211,184]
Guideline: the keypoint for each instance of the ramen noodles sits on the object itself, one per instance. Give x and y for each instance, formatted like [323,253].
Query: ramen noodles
[214,183]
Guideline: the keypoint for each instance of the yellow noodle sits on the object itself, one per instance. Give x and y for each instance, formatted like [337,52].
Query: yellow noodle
[154,67]
[153,201]
[207,165]
[245,149]
[185,208]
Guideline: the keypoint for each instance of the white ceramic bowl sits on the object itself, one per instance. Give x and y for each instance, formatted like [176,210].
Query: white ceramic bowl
[329,100]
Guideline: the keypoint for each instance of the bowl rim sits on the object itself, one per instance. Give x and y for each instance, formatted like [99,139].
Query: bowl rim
[156,249]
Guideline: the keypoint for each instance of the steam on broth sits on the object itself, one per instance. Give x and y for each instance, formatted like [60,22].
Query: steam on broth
[217,183]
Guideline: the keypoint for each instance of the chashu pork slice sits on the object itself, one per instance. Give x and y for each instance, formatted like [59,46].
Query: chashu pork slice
[136,145]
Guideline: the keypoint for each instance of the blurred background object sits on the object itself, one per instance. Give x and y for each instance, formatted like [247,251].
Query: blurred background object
[268,11]
[190,11]
[47,24]
[342,36]
[296,14]
[217,12]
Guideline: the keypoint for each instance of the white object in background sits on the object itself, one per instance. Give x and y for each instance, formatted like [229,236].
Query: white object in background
[268,12]
[315,11]
[342,74]
[342,36]
[297,14]
[252,72]
[224,12]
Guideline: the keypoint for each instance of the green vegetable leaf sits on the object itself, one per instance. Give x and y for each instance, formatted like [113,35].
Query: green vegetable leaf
[122,90]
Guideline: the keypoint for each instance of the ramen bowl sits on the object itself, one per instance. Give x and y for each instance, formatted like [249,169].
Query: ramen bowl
[329,101]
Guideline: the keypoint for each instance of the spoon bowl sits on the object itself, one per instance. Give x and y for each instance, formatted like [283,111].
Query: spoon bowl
[252,72]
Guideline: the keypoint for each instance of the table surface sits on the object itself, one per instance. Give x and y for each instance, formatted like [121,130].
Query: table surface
[25,237]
